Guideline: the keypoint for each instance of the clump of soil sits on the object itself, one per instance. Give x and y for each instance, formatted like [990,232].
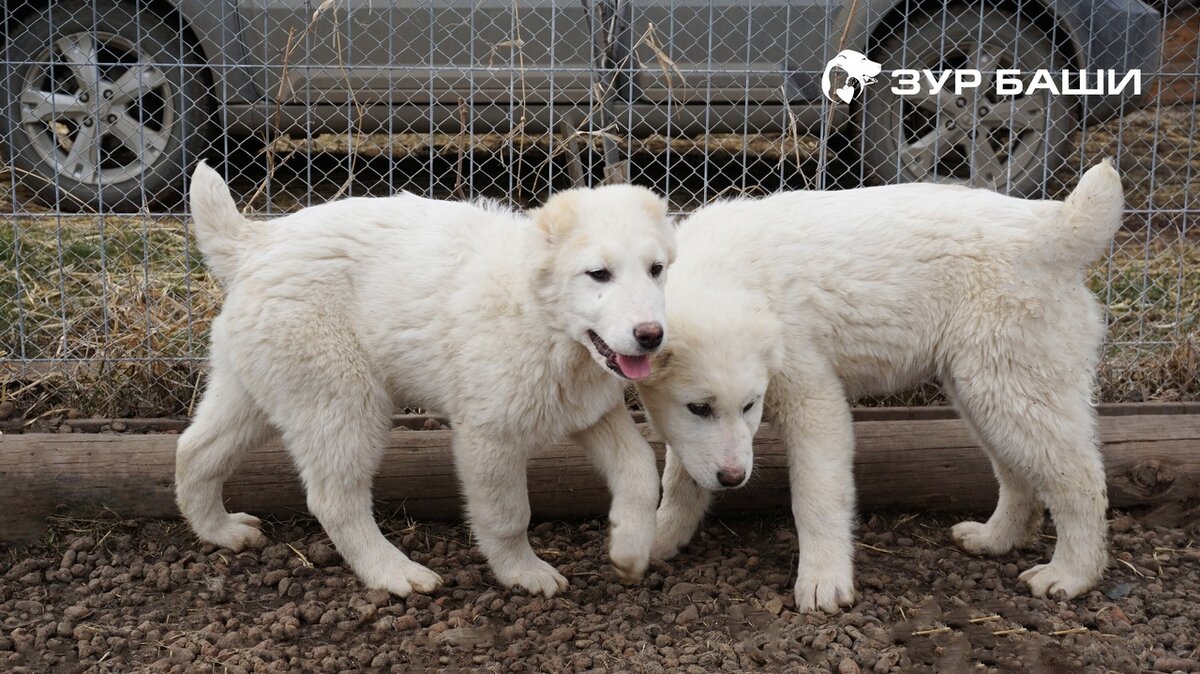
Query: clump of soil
[126,596]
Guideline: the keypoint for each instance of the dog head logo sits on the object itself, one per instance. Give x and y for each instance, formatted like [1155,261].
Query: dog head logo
[858,69]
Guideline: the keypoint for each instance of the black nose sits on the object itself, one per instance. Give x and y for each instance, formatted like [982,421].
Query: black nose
[731,477]
[649,335]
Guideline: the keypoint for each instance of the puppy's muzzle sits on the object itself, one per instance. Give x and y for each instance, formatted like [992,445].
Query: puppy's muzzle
[731,477]
[648,335]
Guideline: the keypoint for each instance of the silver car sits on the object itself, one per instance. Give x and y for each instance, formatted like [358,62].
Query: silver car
[110,101]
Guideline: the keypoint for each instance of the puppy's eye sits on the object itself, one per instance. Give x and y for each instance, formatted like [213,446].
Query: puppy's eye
[749,406]
[600,275]
[656,270]
[700,409]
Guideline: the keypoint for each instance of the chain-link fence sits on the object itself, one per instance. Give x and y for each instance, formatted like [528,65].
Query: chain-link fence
[105,301]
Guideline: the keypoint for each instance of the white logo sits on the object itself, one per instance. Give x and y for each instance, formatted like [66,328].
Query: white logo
[1013,82]
[858,69]
[862,71]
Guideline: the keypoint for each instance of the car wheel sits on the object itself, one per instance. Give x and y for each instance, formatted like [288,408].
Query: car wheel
[107,107]
[1010,144]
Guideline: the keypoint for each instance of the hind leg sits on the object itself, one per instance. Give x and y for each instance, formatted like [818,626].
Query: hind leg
[338,453]
[1014,524]
[1077,501]
[227,424]
[1047,434]
[317,388]
[1018,514]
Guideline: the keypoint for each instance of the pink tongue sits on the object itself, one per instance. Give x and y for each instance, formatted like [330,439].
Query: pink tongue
[634,367]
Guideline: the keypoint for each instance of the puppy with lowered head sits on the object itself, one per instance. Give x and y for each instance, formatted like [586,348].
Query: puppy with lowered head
[800,302]
[523,329]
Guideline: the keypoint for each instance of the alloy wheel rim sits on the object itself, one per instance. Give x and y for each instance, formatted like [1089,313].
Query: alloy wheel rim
[977,138]
[95,109]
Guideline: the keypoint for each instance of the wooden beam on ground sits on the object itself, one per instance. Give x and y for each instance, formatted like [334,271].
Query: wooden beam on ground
[926,464]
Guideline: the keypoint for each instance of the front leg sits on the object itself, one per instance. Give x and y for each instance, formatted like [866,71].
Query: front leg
[626,461]
[682,508]
[492,469]
[816,426]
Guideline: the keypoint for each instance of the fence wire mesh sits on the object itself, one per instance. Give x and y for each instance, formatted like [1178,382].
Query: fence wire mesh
[110,103]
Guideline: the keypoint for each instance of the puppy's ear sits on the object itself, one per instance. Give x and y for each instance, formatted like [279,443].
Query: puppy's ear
[672,247]
[557,217]
[655,206]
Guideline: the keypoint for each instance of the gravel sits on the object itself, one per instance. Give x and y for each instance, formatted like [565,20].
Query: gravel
[120,596]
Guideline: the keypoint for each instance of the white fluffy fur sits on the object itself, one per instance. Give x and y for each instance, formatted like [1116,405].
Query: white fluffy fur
[335,313]
[808,299]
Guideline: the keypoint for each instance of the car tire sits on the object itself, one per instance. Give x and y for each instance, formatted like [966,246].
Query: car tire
[108,107]
[1010,144]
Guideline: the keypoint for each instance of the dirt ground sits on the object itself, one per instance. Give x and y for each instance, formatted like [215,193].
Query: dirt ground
[123,596]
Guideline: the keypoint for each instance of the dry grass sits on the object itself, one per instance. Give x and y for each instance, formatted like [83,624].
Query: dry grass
[130,311]
[1151,287]
[124,300]
[1156,152]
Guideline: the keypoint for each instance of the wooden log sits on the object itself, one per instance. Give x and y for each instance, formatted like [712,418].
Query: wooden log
[926,464]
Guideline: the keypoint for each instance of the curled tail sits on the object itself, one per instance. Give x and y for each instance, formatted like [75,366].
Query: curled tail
[1090,216]
[220,228]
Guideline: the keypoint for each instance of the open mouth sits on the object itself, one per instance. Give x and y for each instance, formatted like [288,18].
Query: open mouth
[629,367]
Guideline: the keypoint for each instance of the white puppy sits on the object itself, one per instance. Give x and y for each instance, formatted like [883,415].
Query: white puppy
[521,329]
[804,300]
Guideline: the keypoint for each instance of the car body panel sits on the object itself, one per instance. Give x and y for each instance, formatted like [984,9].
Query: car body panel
[732,55]
[401,52]
[1120,34]
[729,51]
[217,27]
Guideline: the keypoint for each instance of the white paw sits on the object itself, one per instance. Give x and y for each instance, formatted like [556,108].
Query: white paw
[671,532]
[630,552]
[979,539]
[421,579]
[400,575]
[824,590]
[1047,580]
[535,576]
[237,532]
[630,558]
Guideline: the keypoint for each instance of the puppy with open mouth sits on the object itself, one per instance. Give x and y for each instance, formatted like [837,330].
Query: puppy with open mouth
[632,367]
[803,301]
[523,329]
